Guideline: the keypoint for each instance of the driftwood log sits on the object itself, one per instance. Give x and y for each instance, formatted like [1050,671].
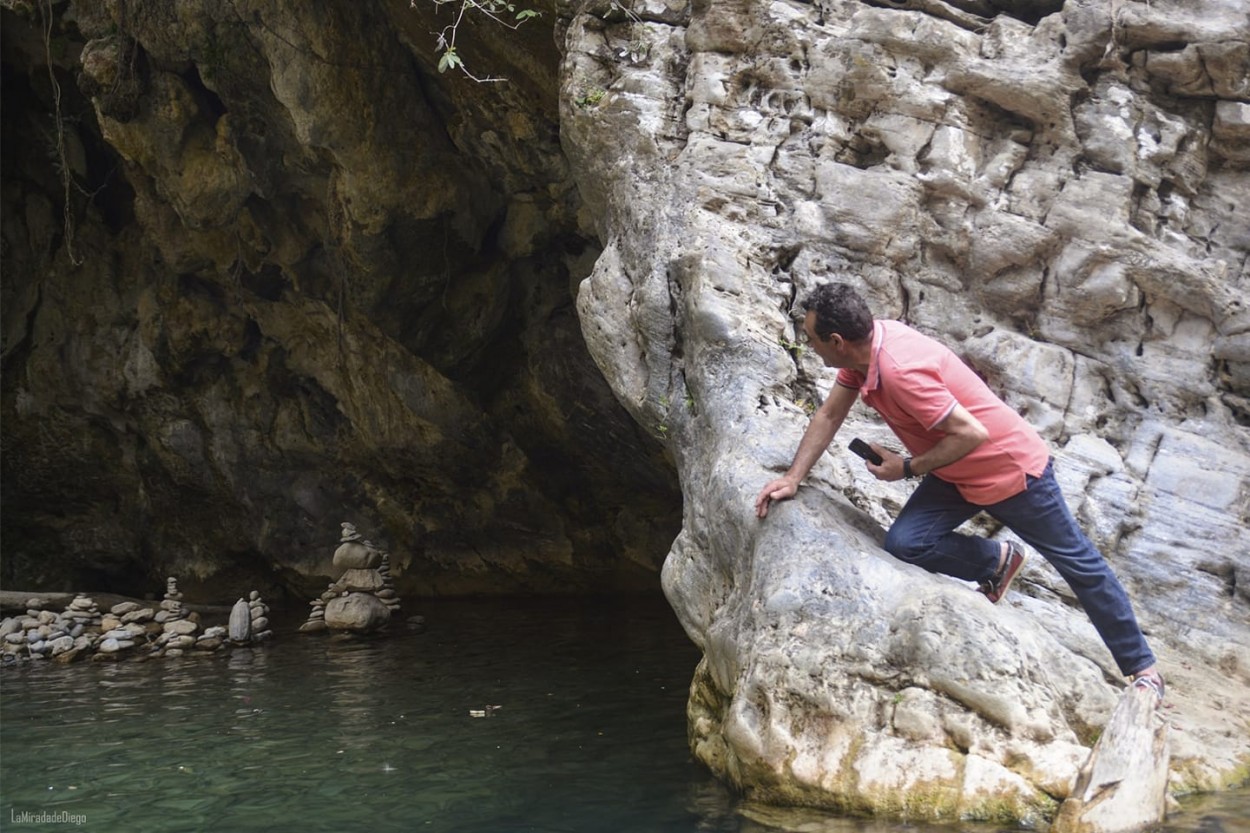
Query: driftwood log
[1123,785]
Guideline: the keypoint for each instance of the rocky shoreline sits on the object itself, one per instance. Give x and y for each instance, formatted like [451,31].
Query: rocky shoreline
[65,627]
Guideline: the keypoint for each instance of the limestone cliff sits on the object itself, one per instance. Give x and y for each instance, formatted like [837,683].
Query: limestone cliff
[297,278]
[1058,190]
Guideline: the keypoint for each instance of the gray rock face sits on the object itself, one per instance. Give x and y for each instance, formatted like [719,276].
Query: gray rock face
[1059,198]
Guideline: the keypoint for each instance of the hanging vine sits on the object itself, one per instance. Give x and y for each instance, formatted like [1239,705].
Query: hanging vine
[63,166]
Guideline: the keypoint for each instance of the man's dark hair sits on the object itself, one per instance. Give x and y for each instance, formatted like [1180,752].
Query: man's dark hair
[839,309]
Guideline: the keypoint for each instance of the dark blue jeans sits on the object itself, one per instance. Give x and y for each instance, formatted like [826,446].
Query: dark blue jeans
[924,535]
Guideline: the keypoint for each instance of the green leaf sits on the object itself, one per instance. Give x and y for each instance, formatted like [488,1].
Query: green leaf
[526,14]
[450,60]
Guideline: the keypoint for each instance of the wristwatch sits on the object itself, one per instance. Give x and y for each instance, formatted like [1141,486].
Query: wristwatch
[907,472]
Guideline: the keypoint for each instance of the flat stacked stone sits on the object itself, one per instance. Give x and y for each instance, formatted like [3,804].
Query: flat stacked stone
[83,610]
[111,643]
[212,638]
[173,630]
[40,634]
[387,594]
[177,635]
[142,616]
[316,617]
[84,623]
[43,633]
[11,638]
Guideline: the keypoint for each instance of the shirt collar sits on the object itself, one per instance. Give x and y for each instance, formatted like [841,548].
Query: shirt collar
[872,380]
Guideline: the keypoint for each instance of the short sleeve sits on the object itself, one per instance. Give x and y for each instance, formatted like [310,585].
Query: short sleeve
[852,379]
[921,393]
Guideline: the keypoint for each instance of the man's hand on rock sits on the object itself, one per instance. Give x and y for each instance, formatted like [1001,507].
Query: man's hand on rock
[783,488]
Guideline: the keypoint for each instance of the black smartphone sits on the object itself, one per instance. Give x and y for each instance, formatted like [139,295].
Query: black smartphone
[864,450]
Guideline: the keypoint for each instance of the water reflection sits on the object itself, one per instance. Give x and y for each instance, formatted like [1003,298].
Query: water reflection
[315,733]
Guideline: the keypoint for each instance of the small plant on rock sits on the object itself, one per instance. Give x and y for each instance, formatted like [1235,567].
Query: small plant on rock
[590,98]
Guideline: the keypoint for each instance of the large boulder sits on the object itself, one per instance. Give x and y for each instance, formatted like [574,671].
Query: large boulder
[1056,195]
[357,612]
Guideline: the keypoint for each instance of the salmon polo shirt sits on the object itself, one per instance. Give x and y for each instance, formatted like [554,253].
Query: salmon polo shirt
[915,382]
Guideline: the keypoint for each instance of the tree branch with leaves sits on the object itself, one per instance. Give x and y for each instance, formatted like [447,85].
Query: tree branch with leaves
[503,12]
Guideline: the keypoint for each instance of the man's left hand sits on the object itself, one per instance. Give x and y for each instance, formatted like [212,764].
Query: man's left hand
[891,467]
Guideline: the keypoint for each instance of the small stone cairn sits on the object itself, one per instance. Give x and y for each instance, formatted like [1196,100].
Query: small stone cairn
[249,621]
[317,616]
[171,606]
[127,625]
[259,611]
[179,632]
[363,599]
[115,633]
[387,594]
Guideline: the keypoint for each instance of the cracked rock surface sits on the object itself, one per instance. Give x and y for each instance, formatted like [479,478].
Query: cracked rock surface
[1058,193]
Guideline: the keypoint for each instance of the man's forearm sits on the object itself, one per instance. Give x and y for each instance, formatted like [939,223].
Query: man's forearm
[964,434]
[820,432]
[947,451]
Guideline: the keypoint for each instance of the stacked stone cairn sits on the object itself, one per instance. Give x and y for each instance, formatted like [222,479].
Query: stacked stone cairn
[259,613]
[387,594]
[48,634]
[171,605]
[127,625]
[81,630]
[363,599]
[82,616]
[178,631]
[123,628]
[317,616]
[249,621]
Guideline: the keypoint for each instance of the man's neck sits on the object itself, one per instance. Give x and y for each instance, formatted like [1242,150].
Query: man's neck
[860,352]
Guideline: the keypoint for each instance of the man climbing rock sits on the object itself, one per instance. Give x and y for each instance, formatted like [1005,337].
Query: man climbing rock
[973,454]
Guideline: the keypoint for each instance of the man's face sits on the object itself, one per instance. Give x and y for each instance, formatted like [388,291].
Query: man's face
[831,351]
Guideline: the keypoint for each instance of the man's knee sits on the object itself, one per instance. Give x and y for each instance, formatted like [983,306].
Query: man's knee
[904,546]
